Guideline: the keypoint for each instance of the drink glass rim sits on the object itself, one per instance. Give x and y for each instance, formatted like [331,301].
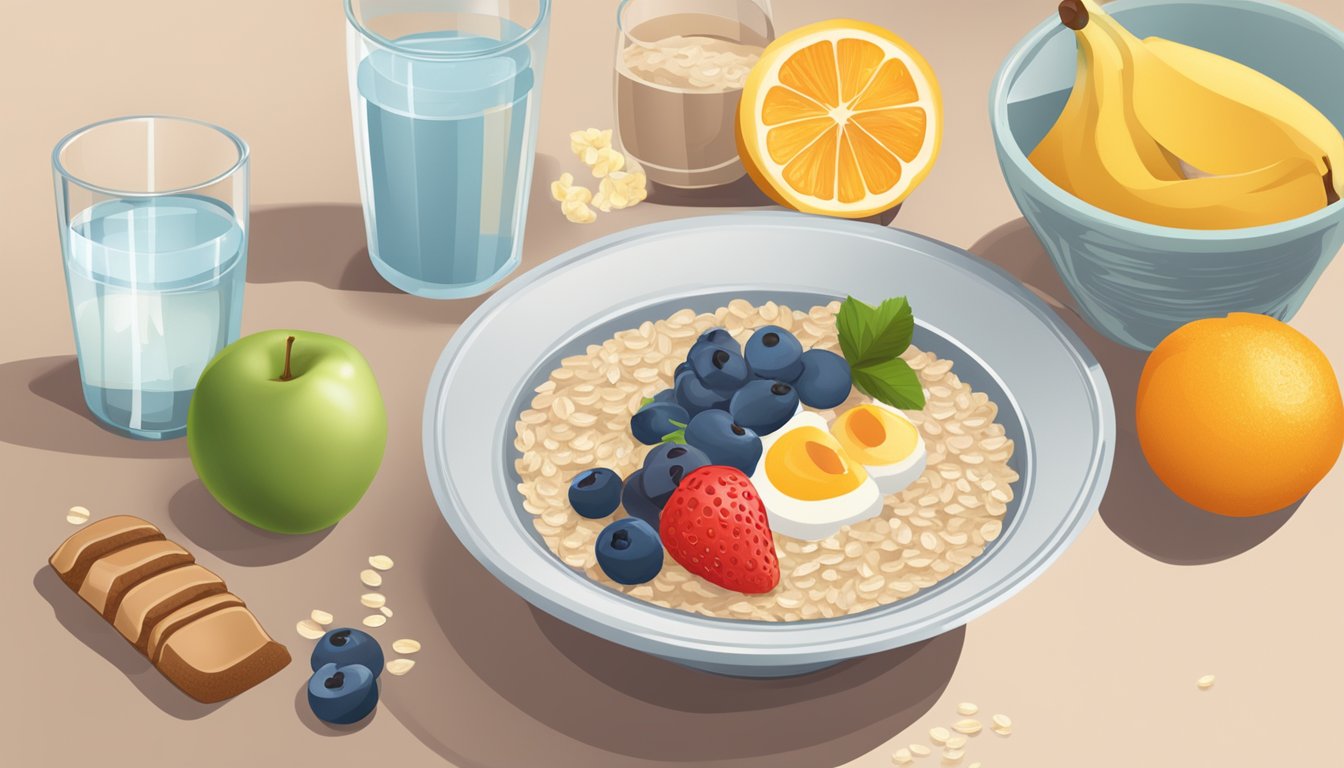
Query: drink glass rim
[543,13]
[238,163]
[620,14]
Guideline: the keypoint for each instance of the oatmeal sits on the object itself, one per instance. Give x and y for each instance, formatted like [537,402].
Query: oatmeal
[580,417]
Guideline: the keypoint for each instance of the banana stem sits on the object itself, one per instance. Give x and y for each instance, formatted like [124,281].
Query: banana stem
[1073,14]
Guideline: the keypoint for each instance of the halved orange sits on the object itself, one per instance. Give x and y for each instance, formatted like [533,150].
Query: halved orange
[840,117]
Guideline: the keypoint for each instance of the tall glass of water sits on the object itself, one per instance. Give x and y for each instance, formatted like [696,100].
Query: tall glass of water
[444,95]
[153,224]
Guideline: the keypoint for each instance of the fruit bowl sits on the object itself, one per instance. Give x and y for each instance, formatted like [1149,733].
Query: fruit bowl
[1054,404]
[1137,282]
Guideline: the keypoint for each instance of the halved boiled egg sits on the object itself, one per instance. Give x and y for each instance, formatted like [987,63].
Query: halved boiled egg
[885,442]
[810,488]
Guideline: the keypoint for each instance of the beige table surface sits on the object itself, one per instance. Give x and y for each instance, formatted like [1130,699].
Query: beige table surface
[1096,661]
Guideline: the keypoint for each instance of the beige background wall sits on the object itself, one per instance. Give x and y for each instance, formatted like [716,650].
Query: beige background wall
[1096,662]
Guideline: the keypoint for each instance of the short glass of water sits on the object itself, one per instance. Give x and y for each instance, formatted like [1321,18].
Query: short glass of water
[152,213]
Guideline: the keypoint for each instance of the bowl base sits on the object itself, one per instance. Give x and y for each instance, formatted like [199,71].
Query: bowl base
[732,670]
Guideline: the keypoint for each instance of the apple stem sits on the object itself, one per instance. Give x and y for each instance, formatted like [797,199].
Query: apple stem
[289,349]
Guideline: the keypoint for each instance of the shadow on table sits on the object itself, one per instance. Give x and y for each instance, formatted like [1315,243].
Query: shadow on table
[1137,507]
[81,621]
[325,244]
[867,700]
[44,408]
[536,691]
[211,527]
[319,243]
[742,193]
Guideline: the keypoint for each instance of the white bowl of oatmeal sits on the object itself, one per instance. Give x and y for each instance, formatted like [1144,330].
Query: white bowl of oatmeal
[541,383]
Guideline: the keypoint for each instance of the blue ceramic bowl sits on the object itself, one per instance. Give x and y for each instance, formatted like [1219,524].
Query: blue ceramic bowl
[1138,282]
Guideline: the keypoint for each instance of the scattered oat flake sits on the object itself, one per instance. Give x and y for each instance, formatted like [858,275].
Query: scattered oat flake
[939,734]
[967,708]
[406,646]
[322,617]
[607,160]
[399,667]
[77,516]
[310,630]
[588,143]
[372,600]
[976,764]
[578,212]
[381,562]
[953,755]
[968,726]
[375,620]
[1205,682]
[1002,721]
[919,750]
[563,188]
[371,578]
[386,611]
[956,742]
[620,189]
[902,756]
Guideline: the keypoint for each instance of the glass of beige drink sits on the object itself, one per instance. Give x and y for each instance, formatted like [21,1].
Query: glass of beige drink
[680,66]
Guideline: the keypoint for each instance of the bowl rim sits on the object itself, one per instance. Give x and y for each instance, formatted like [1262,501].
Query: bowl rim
[1011,153]
[759,645]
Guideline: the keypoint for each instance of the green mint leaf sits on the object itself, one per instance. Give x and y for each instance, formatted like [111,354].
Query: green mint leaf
[893,382]
[851,324]
[679,436]
[645,402]
[870,335]
[893,326]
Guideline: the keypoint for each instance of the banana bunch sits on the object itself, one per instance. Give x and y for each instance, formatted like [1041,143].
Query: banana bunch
[1176,136]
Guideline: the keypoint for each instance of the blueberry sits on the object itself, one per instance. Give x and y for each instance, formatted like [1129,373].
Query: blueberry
[774,353]
[629,551]
[676,374]
[665,396]
[637,503]
[725,443]
[655,421]
[764,406]
[343,646]
[342,694]
[826,381]
[666,465]
[714,338]
[719,369]
[595,493]
[719,337]
[696,397]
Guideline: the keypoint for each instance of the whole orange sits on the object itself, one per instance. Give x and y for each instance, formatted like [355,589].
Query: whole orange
[1239,415]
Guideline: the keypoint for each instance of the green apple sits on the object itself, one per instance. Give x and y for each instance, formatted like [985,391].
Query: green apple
[286,429]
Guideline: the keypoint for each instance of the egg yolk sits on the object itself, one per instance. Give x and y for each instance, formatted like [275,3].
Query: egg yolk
[874,436]
[807,464]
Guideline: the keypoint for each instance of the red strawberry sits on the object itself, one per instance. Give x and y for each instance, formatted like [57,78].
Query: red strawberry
[715,526]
